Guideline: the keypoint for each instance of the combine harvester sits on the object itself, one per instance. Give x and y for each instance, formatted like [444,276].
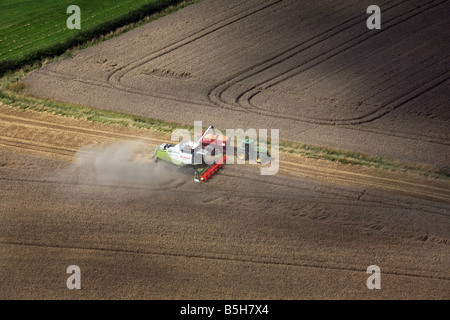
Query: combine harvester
[208,145]
[184,154]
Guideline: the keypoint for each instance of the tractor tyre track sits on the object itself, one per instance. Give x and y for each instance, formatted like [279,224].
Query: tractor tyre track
[216,256]
[113,79]
[245,98]
[215,95]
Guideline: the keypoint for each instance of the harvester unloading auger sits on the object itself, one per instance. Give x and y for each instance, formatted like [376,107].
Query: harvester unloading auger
[187,153]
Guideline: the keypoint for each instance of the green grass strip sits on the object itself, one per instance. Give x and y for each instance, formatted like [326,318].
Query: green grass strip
[87,113]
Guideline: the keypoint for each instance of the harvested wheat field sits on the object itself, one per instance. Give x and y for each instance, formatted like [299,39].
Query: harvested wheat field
[75,192]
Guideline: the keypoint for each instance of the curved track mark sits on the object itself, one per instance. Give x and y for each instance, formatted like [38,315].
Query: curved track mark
[215,95]
[245,98]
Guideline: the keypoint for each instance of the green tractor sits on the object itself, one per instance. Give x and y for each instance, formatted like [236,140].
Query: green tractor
[249,147]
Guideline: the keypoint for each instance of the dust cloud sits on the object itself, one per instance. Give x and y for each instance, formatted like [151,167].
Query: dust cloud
[120,163]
